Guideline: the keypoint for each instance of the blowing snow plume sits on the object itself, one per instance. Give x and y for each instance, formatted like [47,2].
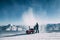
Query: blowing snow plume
[28,17]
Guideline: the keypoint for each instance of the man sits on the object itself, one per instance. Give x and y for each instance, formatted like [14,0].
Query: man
[36,28]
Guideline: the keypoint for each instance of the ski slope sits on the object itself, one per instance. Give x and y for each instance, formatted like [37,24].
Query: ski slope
[37,36]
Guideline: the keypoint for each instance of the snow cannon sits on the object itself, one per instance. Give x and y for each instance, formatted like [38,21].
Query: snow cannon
[30,31]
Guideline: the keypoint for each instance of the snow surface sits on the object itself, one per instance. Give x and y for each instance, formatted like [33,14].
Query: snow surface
[37,36]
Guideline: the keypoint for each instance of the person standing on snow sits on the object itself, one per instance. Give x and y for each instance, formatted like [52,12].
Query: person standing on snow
[36,28]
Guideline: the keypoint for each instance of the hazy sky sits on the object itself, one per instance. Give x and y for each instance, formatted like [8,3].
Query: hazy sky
[18,11]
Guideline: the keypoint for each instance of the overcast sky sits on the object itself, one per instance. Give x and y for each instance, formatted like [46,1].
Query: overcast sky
[17,11]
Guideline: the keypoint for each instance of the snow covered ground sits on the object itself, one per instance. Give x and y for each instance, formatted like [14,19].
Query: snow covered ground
[11,33]
[37,36]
